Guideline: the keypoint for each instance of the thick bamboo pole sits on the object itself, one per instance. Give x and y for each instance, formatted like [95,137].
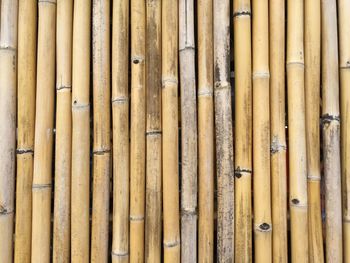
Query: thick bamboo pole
[101,120]
[80,183]
[27,24]
[153,222]
[8,66]
[296,129]
[312,27]
[120,110]
[61,228]
[223,127]
[278,134]
[331,131]
[171,223]
[243,133]
[261,133]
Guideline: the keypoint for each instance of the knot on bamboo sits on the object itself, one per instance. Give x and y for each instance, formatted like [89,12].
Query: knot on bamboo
[4,210]
[239,172]
[326,119]
[276,146]
[137,59]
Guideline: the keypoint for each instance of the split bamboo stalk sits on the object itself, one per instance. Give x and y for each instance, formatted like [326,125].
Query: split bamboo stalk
[27,24]
[331,131]
[80,183]
[344,62]
[189,153]
[296,126]
[243,132]
[278,134]
[137,130]
[61,228]
[261,133]
[8,70]
[171,223]
[312,27]
[223,127]
[101,122]
[120,108]
[153,220]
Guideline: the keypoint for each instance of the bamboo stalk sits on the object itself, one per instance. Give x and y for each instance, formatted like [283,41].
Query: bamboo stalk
[8,60]
[223,127]
[189,152]
[312,102]
[171,236]
[80,183]
[296,128]
[261,133]
[153,222]
[278,135]
[331,131]
[243,132]
[120,108]
[101,117]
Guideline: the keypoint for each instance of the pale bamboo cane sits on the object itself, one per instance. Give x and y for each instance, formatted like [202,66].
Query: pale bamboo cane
[153,220]
[312,42]
[243,132]
[331,132]
[8,66]
[171,223]
[120,108]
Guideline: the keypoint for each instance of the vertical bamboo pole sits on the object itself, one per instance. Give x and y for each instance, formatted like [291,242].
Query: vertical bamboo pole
[120,108]
[331,131]
[261,133]
[27,24]
[101,116]
[171,236]
[8,61]
[278,134]
[344,62]
[296,127]
[153,223]
[223,127]
[61,229]
[243,133]
[312,103]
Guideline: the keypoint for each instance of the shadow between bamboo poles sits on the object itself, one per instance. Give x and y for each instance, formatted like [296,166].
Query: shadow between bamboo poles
[8,60]
[331,131]
[120,110]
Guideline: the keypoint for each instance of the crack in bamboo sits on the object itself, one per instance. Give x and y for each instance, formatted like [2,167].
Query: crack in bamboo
[243,13]
[101,151]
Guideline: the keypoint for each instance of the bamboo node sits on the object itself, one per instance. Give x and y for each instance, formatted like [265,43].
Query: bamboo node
[189,212]
[169,80]
[40,186]
[328,118]
[137,59]
[295,63]
[77,106]
[189,47]
[101,151]
[239,172]
[63,87]
[171,244]
[222,85]
[242,13]
[264,227]
[120,100]
[154,133]
[24,151]
[276,146]
[137,218]
[119,254]
[47,1]
[206,92]
[8,48]
[314,178]
[261,75]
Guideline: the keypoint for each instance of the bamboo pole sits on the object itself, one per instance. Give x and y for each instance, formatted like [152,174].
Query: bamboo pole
[171,223]
[243,132]
[261,133]
[61,228]
[331,131]
[189,153]
[344,63]
[101,117]
[312,27]
[120,108]
[296,128]
[278,135]
[27,24]
[153,222]
[8,60]
[223,127]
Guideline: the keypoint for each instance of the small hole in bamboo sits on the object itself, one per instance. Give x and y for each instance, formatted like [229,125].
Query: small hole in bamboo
[136,61]
[295,201]
[264,226]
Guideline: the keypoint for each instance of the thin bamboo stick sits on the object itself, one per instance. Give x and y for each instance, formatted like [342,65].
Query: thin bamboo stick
[27,24]
[312,102]
[153,222]
[243,133]
[8,61]
[331,131]
[120,108]
[80,183]
[101,119]
[171,223]
[223,127]
[278,134]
